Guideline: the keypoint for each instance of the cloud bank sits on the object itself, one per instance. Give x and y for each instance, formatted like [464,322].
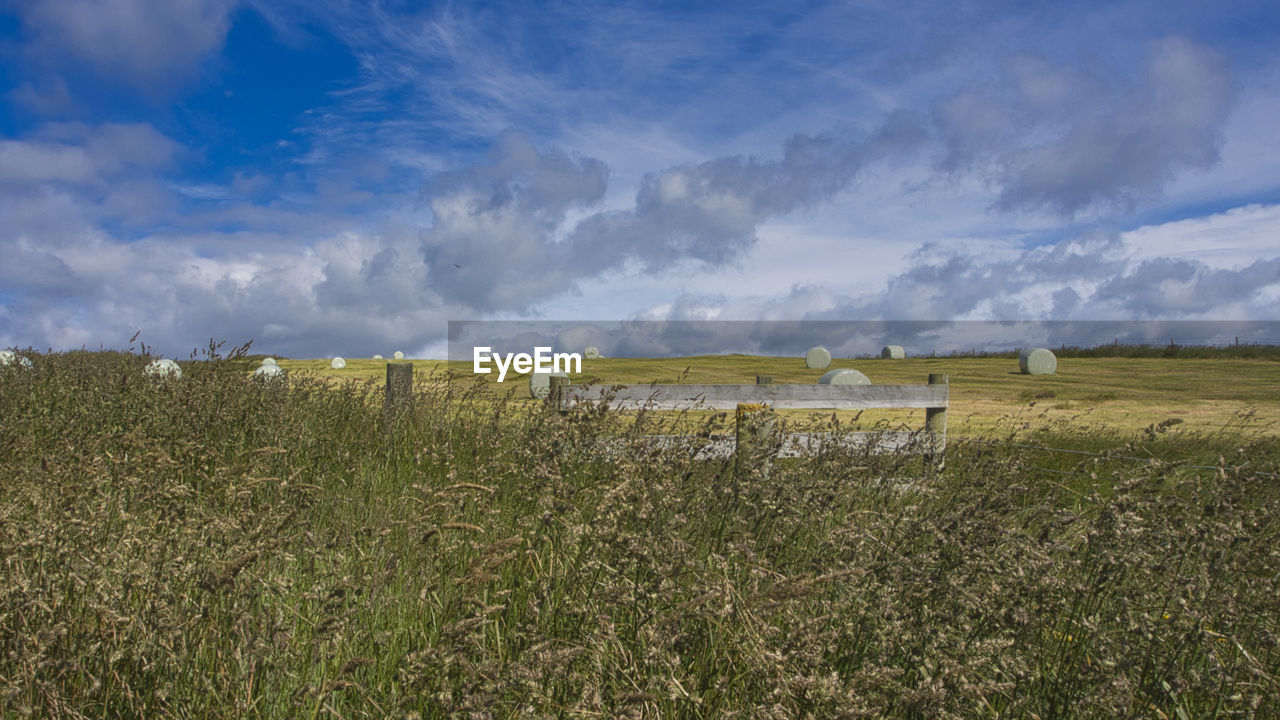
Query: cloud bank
[462,173]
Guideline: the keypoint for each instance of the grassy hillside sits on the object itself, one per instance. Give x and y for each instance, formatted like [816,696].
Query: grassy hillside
[215,547]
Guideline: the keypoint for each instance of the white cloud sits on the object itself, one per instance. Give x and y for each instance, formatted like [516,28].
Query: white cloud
[151,44]
[1179,270]
[34,162]
[78,153]
[662,166]
[1070,143]
[1223,241]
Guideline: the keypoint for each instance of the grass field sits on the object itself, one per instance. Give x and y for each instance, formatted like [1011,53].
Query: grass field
[986,393]
[217,547]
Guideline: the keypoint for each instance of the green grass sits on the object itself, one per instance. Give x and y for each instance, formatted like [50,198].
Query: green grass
[216,547]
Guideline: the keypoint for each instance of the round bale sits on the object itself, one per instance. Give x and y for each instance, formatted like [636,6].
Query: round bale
[540,383]
[1037,361]
[398,355]
[377,357]
[844,376]
[893,352]
[818,358]
[337,363]
[9,357]
[268,372]
[269,361]
[163,369]
[591,353]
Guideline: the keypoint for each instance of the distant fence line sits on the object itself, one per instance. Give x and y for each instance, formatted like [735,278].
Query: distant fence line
[1269,346]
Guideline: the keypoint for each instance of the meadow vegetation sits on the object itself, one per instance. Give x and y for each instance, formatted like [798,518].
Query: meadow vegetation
[1206,392]
[219,547]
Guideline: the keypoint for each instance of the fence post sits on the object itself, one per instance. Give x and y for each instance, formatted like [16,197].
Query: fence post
[935,423]
[555,395]
[399,399]
[754,448]
[764,379]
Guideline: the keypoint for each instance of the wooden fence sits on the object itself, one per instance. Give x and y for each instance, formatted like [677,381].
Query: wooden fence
[750,400]
[753,403]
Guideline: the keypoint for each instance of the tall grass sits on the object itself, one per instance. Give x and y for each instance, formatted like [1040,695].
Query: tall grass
[216,547]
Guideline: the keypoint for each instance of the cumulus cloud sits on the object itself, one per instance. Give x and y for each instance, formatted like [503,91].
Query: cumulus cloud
[519,227]
[1084,279]
[28,162]
[1064,140]
[151,44]
[60,183]
[524,225]
[345,295]
[78,153]
[1166,286]
[500,239]
[493,242]
[315,273]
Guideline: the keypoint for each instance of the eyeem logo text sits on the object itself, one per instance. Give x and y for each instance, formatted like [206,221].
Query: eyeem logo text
[542,360]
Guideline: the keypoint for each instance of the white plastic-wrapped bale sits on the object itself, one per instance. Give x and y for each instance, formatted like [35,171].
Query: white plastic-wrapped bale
[540,383]
[9,357]
[269,361]
[591,353]
[398,355]
[268,372]
[893,352]
[818,358]
[843,376]
[163,368]
[337,363]
[377,357]
[1037,361]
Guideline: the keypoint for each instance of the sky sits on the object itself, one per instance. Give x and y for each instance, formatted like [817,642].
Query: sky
[331,177]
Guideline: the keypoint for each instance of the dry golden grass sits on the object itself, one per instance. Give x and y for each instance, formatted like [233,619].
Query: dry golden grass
[215,547]
[986,393]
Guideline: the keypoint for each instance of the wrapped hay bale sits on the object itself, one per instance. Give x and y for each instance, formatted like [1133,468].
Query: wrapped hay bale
[9,357]
[1037,361]
[818,358]
[163,369]
[893,352]
[540,383]
[844,376]
[268,372]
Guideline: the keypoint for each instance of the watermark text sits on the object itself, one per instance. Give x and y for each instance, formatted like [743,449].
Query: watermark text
[542,360]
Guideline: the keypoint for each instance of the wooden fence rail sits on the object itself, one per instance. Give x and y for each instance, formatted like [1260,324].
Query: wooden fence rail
[749,400]
[753,404]
[779,397]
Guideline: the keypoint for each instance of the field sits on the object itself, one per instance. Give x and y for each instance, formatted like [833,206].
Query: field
[1201,394]
[217,547]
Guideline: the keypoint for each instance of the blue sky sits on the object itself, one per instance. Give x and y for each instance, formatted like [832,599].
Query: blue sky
[342,178]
